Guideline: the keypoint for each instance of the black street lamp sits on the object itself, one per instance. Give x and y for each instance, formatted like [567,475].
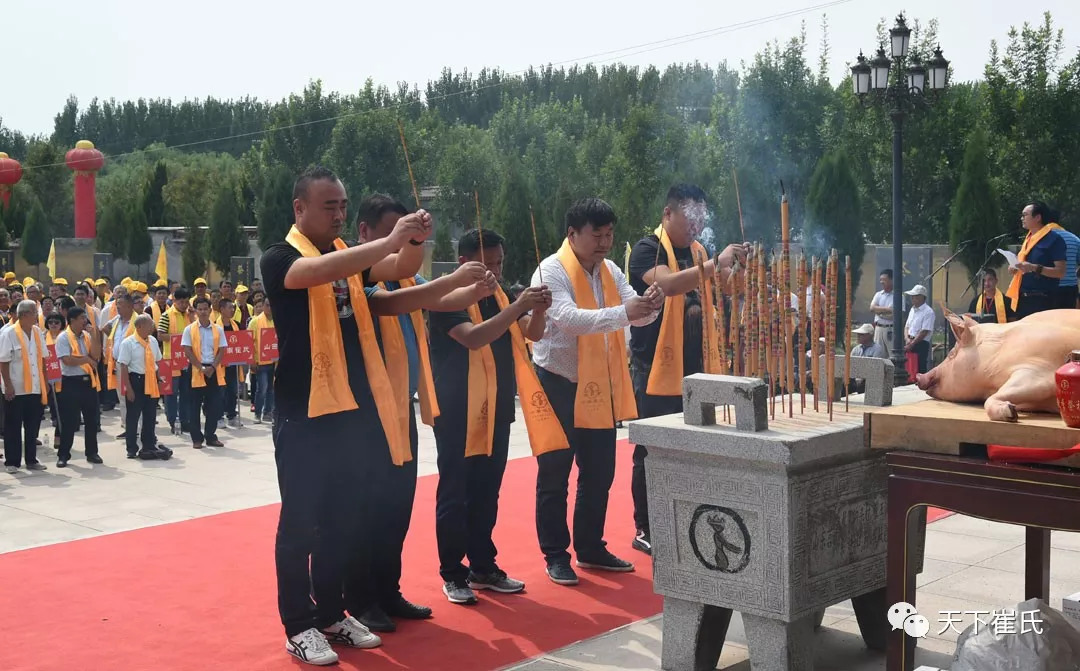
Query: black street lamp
[900,84]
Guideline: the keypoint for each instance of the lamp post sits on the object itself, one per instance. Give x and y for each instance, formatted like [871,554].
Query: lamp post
[899,84]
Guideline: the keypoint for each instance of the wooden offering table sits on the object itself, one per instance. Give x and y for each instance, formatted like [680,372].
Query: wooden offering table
[939,460]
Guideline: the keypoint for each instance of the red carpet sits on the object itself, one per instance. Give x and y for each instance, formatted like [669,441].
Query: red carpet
[201,595]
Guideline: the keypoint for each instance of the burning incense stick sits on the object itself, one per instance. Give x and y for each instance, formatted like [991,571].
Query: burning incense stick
[738,203]
[536,244]
[408,163]
[847,332]
[479,229]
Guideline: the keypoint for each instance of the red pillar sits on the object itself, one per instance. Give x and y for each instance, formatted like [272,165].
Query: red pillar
[85,161]
[10,174]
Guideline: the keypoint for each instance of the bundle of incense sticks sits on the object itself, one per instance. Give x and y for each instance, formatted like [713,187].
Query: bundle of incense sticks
[778,328]
[718,318]
[736,313]
[801,351]
[815,330]
[763,315]
[847,332]
[830,341]
[789,378]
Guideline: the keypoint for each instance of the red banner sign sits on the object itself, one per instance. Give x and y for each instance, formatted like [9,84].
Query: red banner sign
[164,371]
[52,365]
[176,352]
[268,344]
[239,348]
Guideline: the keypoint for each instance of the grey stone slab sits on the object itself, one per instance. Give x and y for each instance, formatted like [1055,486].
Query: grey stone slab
[703,392]
[877,372]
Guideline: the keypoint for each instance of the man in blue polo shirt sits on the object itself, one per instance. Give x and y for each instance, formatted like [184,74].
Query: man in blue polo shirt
[1038,273]
[1067,290]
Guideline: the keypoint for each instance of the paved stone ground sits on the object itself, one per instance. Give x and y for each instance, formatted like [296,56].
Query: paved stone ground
[971,564]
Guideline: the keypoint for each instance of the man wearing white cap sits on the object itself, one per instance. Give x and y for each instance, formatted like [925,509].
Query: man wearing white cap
[920,325]
[866,346]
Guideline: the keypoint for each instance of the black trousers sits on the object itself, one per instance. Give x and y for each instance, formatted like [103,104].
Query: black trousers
[319,471]
[374,576]
[77,398]
[143,407]
[922,350]
[206,399]
[1065,298]
[647,406]
[594,452]
[231,391]
[22,419]
[1035,301]
[467,500]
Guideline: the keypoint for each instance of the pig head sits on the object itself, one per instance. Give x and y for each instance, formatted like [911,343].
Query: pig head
[1007,367]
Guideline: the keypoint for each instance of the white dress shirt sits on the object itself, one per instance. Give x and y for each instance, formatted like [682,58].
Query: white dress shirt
[11,352]
[920,319]
[206,341]
[118,335]
[557,351]
[882,299]
[133,355]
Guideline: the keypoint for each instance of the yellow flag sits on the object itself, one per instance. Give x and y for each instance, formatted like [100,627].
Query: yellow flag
[162,268]
[626,262]
[51,263]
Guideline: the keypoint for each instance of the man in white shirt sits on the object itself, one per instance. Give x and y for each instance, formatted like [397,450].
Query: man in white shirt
[22,378]
[131,358]
[590,225]
[210,396]
[920,326]
[79,354]
[882,308]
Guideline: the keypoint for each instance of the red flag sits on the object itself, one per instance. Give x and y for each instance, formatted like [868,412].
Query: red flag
[177,354]
[239,348]
[52,365]
[268,344]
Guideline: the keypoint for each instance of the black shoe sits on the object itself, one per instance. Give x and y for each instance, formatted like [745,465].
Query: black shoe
[61,463]
[214,442]
[458,592]
[642,542]
[132,455]
[562,574]
[403,609]
[147,455]
[606,562]
[376,619]
[496,581]
[94,459]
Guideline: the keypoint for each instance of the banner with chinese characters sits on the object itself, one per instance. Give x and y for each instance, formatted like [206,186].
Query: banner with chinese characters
[176,352]
[52,365]
[268,344]
[239,348]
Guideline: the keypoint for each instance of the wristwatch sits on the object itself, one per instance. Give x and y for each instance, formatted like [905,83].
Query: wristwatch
[1038,270]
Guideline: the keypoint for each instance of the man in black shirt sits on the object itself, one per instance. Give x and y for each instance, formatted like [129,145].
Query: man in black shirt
[685,214]
[468,496]
[316,431]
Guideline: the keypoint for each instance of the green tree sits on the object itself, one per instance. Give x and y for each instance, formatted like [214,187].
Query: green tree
[112,229]
[275,209]
[50,180]
[139,246]
[37,238]
[834,220]
[193,257]
[444,247]
[510,216]
[976,214]
[154,200]
[225,239]
[4,235]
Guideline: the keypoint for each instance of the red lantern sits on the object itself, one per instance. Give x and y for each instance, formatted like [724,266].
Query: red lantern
[85,161]
[10,174]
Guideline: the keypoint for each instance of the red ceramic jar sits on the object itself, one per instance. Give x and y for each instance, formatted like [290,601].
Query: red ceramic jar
[1067,379]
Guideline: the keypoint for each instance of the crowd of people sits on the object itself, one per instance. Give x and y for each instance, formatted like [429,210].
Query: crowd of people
[106,343]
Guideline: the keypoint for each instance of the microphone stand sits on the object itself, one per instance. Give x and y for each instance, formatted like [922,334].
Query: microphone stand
[945,265]
[988,254]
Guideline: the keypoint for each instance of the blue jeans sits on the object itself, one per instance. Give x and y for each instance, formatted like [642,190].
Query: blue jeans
[176,404]
[264,390]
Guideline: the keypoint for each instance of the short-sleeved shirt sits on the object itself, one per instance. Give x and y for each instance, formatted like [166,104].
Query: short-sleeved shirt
[292,380]
[920,319]
[882,299]
[133,355]
[450,364]
[1072,257]
[206,341]
[1046,252]
[63,349]
[11,353]
[643,338]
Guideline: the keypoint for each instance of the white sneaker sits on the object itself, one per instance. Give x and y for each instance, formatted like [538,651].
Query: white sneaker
[312,647]
[235,422]
[351,633]
[221,424]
